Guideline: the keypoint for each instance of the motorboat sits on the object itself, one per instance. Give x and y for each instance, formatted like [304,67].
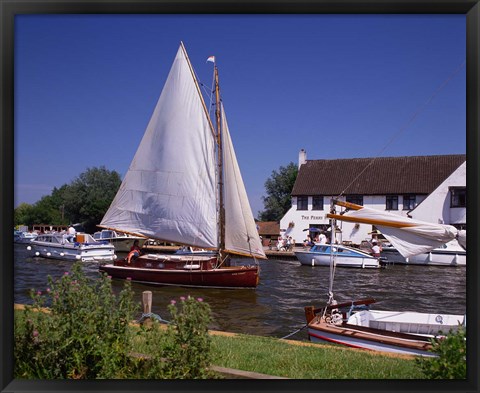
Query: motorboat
[22,237]
[122,242]
[448,254]
[82,248]
[321,255]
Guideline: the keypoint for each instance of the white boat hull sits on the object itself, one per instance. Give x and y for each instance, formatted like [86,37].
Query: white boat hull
[344,257]
[56,248]
[121,242]
[406,333]
[436,257]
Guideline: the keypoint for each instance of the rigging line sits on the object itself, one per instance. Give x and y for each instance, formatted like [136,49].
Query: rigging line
[408,123]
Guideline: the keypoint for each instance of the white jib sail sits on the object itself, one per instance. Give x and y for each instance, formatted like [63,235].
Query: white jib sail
[415,237]
[169,191]
[241,234]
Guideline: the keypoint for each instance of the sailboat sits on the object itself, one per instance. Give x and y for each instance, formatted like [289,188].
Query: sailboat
[184,186]
[354,324]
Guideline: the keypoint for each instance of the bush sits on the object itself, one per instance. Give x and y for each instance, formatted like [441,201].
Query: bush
[451,361]
[188,348]
[86,334]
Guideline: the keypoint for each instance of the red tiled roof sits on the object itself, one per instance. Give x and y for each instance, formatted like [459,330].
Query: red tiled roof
[379,176]
[268,228]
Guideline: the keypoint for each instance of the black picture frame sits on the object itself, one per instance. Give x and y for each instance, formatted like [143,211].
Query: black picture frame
[10,8]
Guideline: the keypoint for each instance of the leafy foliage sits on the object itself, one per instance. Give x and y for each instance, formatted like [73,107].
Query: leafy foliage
[451,362]
[85,200]
[86,334]
[189,350]
[278,188]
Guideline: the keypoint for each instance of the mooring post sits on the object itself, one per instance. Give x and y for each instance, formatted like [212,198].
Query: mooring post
[147,307]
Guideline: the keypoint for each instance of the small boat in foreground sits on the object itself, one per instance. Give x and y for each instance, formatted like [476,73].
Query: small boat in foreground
[321,254]
[122,242]
[354,325]
[184,187]
[84,248]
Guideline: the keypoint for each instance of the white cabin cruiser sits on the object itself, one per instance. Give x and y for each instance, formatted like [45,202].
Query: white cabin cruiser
[320,255]
[121,241]
[448,254]
[83,248]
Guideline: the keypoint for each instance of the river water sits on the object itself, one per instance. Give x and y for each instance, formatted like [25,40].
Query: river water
[276,307]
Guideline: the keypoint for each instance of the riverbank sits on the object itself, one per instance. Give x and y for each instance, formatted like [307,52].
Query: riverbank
[255,357]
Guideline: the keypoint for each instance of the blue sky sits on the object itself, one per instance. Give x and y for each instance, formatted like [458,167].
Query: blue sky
[339,86]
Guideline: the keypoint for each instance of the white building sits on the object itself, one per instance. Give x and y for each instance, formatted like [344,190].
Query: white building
[427,188]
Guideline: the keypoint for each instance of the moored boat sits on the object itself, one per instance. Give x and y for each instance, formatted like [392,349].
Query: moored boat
[184,187]
[353,324]
[22,237]
[84,248]
[122,242]
[449,254]
[321,254]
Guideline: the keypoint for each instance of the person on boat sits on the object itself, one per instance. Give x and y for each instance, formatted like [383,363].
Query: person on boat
[71,233]
[376,249]
[134,252]
[322,239]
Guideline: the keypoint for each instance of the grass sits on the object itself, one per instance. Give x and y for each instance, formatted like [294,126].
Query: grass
[276,357]
[300,360]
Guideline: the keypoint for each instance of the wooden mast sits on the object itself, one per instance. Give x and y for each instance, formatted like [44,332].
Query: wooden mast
[221,204]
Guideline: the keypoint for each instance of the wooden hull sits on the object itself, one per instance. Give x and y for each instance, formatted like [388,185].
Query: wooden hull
[375,341]
[184,271]
[407,333]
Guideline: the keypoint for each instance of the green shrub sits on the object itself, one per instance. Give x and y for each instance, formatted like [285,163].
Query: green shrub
[86,334]
[451,360]
[188,348]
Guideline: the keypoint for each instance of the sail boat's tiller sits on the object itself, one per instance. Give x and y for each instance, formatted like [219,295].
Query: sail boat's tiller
[184,186]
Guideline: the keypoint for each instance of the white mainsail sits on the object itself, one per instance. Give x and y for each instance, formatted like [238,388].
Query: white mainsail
[169,191]
[410,237]
[241,235]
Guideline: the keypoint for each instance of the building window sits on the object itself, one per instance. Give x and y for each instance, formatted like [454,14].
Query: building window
[302,203]
[392,202]
[357,199]
[458,197]
[408,202]
[317,203]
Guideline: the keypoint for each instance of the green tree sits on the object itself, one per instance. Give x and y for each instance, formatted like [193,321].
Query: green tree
[22,214]
[279,189]
[89,196]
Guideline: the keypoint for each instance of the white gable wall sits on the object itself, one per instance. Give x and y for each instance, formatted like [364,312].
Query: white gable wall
[436,207]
